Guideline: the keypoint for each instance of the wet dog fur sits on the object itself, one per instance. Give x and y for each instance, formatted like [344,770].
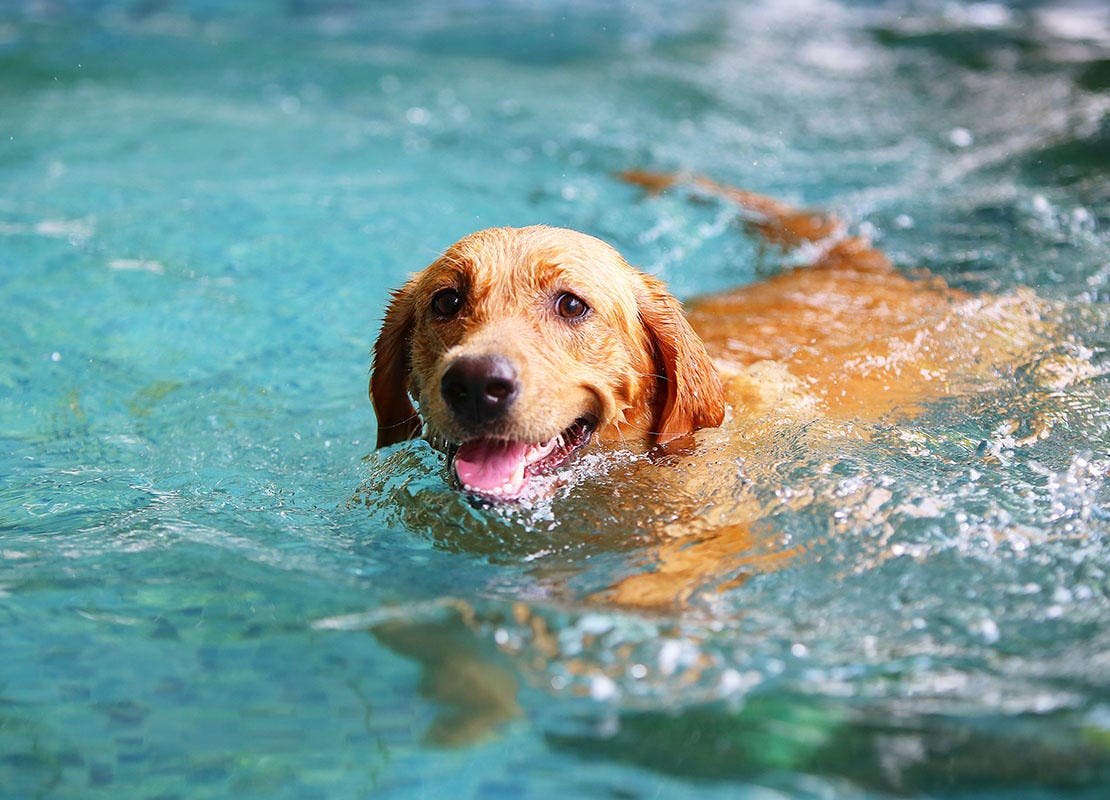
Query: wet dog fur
[832,347]
[520,346]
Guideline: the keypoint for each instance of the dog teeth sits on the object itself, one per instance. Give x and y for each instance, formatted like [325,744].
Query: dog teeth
[538,451]
[494,491]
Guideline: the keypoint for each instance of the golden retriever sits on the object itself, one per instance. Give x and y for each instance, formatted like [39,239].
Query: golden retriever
[518,347]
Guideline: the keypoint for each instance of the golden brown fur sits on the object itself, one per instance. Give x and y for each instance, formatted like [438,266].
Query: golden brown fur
[844,340]
[846,336]
[635,363]
[834,345]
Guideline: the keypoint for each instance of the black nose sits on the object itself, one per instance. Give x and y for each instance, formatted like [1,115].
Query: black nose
[479,388]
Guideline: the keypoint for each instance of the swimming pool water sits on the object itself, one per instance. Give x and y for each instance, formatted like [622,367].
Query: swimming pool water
[202,208]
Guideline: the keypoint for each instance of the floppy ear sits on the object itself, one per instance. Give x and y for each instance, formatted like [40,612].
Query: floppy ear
[690,397]
[397,418]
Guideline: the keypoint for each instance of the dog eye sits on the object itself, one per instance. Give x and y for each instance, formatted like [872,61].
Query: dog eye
[569,306]
[446,302]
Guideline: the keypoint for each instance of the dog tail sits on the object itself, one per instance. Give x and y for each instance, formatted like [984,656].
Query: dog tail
[777,223]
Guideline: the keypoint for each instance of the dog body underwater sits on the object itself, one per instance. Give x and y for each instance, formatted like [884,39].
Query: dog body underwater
[521,346]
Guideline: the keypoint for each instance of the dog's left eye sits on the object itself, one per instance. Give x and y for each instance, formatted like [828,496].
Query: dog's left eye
[446,302]
[569,306]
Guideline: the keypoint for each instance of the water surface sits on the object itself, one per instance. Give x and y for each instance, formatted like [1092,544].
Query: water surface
[202,208]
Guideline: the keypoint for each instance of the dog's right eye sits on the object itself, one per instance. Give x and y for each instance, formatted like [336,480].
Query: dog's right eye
[446,302]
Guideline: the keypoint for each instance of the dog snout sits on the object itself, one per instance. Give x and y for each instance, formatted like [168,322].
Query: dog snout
[480,389]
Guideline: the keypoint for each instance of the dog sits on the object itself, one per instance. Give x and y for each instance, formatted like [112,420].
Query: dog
[520,347]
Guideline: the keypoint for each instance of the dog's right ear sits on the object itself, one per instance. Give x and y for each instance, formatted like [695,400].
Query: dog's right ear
[389,378]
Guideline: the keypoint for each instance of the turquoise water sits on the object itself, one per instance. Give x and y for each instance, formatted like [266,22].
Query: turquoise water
[202,207]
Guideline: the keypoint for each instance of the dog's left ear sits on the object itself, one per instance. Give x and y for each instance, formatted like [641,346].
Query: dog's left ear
[397,418]
[691,396]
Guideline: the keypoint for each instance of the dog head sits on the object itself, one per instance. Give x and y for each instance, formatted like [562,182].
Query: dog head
[521,345]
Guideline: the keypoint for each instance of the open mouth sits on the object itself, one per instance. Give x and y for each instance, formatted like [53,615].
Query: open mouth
[498,469]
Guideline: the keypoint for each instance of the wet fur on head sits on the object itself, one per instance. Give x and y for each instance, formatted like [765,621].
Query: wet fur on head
[632,362]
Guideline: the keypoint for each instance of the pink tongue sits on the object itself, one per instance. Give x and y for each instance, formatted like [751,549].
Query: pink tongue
[488,464]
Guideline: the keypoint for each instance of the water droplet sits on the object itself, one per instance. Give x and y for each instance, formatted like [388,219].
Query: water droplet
[603,688]
[960,137]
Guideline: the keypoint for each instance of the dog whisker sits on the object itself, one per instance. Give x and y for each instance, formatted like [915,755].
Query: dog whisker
[399,423]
